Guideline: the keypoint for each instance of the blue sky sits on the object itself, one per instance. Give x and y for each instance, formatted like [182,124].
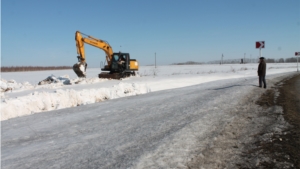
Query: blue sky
[41,32]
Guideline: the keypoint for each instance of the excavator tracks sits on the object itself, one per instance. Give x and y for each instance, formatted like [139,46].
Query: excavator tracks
[106,75]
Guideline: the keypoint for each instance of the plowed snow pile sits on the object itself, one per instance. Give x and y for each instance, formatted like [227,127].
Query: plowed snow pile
[45,101]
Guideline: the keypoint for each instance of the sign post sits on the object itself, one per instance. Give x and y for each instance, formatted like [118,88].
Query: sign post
[259,45]
[297,54]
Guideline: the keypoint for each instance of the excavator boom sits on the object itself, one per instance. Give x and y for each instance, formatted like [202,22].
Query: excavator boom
[94,42]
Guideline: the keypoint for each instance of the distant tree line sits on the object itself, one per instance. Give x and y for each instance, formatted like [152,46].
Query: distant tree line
[188,63]
[268,60]
[32,68]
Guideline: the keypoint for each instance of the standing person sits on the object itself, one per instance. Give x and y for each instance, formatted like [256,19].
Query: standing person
[121,60]
[262,72]
[121,64]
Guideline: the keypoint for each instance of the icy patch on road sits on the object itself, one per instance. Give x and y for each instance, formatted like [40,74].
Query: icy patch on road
[46,101]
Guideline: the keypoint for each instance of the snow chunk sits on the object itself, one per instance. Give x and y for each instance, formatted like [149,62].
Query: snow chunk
[13,85]
[52,79]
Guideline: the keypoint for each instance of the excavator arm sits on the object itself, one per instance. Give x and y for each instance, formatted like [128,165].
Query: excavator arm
[81,39]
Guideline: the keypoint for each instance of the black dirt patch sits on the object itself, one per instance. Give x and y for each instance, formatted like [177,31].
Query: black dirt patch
[267,99]
[283,148]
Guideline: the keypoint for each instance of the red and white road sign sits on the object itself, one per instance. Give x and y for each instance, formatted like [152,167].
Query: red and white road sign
[260,44]
[297,53]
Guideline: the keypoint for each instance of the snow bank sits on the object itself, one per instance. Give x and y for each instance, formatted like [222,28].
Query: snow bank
[51,82]
[12,84]
[46,101]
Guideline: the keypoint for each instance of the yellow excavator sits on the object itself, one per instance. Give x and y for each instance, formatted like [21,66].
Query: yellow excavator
[119,65]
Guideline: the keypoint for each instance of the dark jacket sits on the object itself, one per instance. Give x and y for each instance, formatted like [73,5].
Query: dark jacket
[262,68]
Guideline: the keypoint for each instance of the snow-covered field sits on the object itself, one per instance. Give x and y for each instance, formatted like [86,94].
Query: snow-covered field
[26,97]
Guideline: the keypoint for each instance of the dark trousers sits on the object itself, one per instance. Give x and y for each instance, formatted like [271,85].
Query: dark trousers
[262,79]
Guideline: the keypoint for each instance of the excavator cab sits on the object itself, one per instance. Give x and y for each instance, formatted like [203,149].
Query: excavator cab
[121,66]
[120,62]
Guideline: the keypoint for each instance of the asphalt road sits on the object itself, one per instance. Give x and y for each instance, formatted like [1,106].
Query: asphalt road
[125,132]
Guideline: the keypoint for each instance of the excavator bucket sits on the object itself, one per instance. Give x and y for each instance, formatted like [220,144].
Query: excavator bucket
[80,69]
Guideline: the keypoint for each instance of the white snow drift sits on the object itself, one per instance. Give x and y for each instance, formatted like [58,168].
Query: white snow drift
[46,101]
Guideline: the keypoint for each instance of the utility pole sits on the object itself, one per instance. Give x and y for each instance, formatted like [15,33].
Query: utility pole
[297,54]
[222,59]
[155,59]
[244,58]
[250,58]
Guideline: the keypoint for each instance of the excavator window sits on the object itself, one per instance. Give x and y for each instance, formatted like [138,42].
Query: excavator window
[122,57]
[116,57]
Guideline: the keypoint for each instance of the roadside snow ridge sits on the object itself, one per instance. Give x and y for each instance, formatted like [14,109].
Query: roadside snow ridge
[45,101]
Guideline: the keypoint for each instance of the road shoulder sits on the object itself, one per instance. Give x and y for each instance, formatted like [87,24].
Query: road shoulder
[259,122]
[282,148]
